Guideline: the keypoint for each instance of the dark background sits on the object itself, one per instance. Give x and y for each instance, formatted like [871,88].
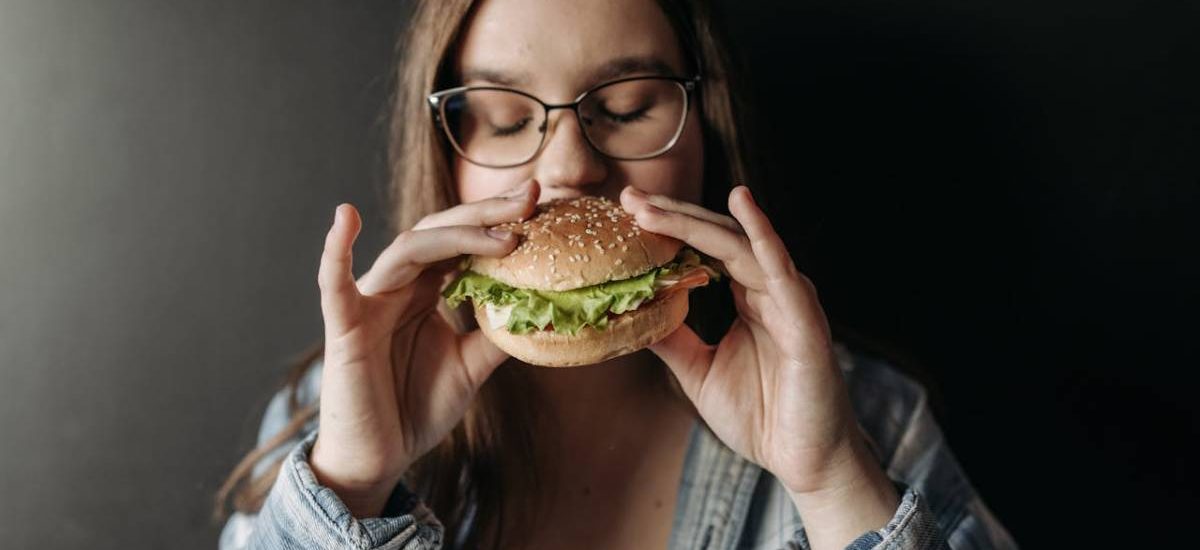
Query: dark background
[1003,194]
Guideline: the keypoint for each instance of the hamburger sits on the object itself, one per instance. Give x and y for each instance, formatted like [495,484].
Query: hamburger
[584,284]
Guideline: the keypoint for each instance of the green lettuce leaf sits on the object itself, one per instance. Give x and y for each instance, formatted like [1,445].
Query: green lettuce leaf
[568,311]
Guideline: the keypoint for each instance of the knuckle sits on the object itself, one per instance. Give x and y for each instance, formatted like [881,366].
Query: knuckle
[326,279]
[805,282]
[462,239]
[431,220]
[330,285]
[403,241]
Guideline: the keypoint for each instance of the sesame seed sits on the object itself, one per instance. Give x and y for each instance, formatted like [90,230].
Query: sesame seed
[586,258]
[624,248]
[619,261]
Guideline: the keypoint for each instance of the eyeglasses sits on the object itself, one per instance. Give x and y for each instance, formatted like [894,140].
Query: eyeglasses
[632,118]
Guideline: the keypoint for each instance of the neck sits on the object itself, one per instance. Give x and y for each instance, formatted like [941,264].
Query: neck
[604,406]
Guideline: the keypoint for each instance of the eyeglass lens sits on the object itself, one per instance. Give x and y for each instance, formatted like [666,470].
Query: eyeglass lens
[626,120]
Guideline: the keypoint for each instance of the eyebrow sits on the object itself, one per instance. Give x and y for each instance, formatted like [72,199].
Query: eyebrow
[625,66]
[494,76]
[611,70]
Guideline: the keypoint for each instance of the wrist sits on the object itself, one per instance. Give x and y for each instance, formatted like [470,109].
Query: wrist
[845,465]
[853,496]
[364,496]
[854,475]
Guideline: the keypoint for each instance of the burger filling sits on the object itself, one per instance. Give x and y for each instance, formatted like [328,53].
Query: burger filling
[522,310]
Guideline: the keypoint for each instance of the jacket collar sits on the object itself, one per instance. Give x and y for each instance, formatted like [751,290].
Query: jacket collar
[714,496]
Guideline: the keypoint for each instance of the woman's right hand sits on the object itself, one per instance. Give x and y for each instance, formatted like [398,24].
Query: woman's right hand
[397,377]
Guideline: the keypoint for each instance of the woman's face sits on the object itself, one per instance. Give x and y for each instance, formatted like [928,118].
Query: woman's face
[555,50]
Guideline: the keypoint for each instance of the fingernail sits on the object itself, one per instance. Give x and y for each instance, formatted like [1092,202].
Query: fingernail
[635,191]
[498,234]
[337,214]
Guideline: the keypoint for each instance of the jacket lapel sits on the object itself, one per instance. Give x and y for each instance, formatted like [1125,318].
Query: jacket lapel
[714,496]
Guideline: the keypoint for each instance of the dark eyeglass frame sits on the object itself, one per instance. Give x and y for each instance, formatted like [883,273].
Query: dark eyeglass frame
[689,85]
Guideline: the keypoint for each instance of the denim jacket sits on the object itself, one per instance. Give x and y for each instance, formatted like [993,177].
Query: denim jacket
[724,501]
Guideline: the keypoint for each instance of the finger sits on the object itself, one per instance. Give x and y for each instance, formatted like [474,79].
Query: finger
[749,304]
[784,282]
[340,298]
[480,356]
[767,245]
[688,357]
[413,251]
[410,302]
[515,204]
[768,248]
[718,241]
[632,198]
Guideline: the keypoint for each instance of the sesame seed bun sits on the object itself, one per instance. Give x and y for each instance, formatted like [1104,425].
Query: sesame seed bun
[573,243]
[625,333]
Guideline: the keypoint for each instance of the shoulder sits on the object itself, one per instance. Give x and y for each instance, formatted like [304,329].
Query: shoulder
[282,409]
[885,399]
[893,410]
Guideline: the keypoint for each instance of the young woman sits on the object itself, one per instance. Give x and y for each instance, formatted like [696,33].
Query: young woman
[431,437]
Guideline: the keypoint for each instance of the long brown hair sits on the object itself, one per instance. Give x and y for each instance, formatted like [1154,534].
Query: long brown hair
[491,452]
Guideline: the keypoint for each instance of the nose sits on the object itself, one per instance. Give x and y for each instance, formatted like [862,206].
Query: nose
[567,162]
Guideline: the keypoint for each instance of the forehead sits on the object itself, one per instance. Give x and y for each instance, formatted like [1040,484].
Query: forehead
[564,46]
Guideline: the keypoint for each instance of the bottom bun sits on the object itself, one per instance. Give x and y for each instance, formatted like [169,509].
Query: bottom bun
[626,333]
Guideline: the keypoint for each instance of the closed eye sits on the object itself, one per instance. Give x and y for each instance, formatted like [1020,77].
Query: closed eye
[627,117]
[512,129]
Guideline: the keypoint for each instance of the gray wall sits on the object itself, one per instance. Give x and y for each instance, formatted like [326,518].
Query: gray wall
[167,173]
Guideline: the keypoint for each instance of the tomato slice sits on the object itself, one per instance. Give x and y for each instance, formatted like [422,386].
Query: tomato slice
[695,278]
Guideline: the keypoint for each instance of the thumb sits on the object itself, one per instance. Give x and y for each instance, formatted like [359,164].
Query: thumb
[687,356]
[480,355]
[340,298]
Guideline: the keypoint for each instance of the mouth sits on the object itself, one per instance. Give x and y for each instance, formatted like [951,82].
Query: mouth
[550,194]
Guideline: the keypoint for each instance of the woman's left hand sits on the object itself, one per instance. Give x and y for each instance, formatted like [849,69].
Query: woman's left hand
[771,390]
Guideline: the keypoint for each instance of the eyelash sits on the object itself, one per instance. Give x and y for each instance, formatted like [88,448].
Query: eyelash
[512,130]
[630,117]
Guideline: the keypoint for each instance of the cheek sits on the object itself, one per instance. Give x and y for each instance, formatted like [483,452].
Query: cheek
[476,183]
[680,172]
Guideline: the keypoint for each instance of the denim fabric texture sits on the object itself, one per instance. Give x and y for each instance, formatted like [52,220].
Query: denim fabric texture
[724,501]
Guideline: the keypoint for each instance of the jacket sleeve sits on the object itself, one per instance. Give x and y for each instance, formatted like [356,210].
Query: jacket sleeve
[299,513]
[938,508]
